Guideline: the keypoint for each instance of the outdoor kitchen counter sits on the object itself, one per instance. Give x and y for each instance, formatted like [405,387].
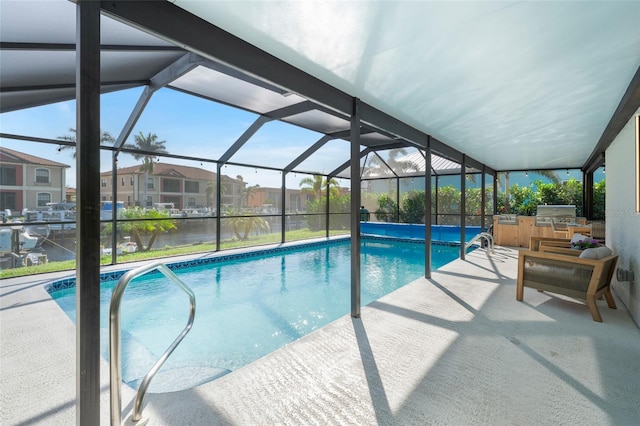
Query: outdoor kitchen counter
[516,231]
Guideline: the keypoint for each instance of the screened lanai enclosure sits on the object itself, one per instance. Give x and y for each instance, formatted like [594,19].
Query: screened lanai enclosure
[197,153]
[133,128]
[255,147]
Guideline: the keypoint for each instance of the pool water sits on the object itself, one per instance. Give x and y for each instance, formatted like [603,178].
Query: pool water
[249,307]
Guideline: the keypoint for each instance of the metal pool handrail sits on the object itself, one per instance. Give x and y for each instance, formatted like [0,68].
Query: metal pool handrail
[115,372]
[487,236]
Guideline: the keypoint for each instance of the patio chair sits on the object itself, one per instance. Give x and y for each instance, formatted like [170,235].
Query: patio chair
[535,243]
[559,232]
[598,231]
[587,277]
[556,245]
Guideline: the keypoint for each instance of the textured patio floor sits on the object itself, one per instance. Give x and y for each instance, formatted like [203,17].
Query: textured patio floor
[457,349]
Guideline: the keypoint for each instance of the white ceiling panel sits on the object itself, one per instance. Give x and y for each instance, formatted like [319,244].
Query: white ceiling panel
[516,85]
[513,85]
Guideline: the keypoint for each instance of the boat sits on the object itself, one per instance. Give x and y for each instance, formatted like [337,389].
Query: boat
[106,210]
[18,247]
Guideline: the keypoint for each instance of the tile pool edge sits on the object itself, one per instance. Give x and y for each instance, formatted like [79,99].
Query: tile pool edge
[70,282]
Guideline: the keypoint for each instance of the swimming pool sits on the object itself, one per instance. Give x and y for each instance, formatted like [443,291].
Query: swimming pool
[247,306]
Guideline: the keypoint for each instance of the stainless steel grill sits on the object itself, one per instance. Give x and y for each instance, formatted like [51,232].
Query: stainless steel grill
[559,214]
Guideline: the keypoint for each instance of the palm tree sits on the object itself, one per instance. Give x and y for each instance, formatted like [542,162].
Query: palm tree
[400,164]
[240,191]
[211,188]
[151,146]
[211,191]
[549,174]
[248,192]
[552,175]
[316,184]
[105,139]
[243,225]
[158,223]
[376,167]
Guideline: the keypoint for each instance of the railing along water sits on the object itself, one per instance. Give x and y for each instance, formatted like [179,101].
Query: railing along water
[114,342]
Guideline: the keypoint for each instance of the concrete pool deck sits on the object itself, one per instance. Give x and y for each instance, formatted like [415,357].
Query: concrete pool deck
[456,349]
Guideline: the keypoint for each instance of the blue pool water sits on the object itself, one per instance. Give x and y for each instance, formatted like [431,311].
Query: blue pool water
[248,307]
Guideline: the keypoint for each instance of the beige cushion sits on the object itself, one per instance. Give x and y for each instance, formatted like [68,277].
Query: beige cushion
[596,253]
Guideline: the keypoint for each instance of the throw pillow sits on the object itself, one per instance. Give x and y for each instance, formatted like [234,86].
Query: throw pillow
[596,253]
[577,237]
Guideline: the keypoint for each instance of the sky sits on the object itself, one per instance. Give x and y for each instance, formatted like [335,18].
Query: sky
[192,127]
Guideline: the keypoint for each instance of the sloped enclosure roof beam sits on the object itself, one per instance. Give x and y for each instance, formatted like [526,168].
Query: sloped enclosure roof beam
[346,164]
[230,71]
[263,119]
[260,121]
[180,67]
[395,175]
[290,110]
[366,151]
[313,148]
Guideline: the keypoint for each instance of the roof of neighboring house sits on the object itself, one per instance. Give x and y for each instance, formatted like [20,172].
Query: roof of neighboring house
[171,170]
[10,156]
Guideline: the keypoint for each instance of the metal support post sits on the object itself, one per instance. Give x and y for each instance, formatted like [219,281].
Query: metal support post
[398,199]
[463,205]
[427,210]
[114,215]
[436,200]
[483,199]
[587,195]
[218,203]
[88,213]
[283,221]
[355,209]
[327,215]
